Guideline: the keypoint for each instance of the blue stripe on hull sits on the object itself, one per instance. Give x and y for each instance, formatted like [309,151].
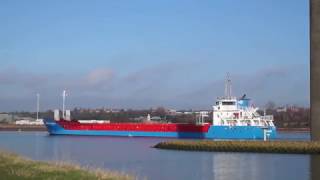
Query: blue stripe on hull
[129,133]
[238,132]
[215,132]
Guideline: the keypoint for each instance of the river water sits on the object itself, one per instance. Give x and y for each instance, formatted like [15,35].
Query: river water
[135,156]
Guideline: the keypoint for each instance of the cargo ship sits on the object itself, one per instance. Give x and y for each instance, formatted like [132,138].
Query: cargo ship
[232,118]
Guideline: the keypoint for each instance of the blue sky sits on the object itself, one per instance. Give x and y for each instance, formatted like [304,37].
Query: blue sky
[141,54]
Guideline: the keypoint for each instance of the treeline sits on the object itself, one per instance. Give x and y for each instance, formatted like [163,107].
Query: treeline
[296,117]
[288,117]
[131,115]
[121,115]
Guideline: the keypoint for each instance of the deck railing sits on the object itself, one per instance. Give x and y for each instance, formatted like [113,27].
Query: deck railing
[267,117]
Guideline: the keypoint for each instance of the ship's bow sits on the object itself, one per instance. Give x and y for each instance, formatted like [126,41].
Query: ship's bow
[52,126]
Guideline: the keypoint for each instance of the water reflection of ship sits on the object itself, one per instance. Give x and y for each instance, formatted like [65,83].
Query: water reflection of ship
[58,149]
[251,166]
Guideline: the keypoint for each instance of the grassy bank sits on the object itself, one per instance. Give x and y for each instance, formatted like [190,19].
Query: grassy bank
[301,147]
[15,127]
[15,167]
[304,130]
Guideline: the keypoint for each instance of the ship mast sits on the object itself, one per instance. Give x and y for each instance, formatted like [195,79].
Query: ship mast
[38,99]
[64,94]
[227,89]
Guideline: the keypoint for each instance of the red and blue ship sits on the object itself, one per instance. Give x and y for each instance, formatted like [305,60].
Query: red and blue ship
[232,118]
[171,130]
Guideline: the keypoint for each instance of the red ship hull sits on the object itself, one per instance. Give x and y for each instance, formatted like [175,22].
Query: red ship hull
[143,127]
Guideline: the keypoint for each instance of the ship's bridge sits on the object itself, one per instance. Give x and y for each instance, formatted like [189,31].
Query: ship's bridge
[226,104]
[230,111]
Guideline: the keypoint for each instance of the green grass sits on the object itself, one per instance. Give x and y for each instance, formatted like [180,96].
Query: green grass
[13,166]
[293,147]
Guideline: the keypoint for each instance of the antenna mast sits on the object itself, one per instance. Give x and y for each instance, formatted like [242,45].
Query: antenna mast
[38,99]
[64,94]
[227,90]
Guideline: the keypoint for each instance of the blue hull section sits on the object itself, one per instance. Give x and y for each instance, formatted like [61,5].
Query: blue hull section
[239,132]
[214,132]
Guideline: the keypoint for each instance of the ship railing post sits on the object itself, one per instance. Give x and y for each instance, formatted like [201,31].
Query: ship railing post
[266,134]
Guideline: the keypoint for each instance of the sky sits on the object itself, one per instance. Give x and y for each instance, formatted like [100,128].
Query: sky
[142,54]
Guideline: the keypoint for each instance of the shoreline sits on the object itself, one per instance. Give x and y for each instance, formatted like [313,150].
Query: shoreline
[13,166]
[14,127]
[302,130]
[276,147]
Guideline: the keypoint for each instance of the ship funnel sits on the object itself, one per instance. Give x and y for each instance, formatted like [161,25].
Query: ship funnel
[56,115]
[68,115]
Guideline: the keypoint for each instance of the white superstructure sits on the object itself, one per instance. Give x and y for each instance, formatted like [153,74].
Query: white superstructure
[230,111]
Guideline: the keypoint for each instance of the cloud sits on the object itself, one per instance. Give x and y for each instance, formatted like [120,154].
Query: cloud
[283,85]
[19,85]
[149,81]
[99,76]
[164,84]
[159,82]
[11,76]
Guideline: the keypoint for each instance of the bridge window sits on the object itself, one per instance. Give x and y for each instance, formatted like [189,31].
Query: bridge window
[228,103]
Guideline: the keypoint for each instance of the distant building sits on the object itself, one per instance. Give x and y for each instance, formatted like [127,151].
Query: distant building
[281,109]
[4,117]
[139,119]
[172,112]
[293,108]
[29,122]
[155,118]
